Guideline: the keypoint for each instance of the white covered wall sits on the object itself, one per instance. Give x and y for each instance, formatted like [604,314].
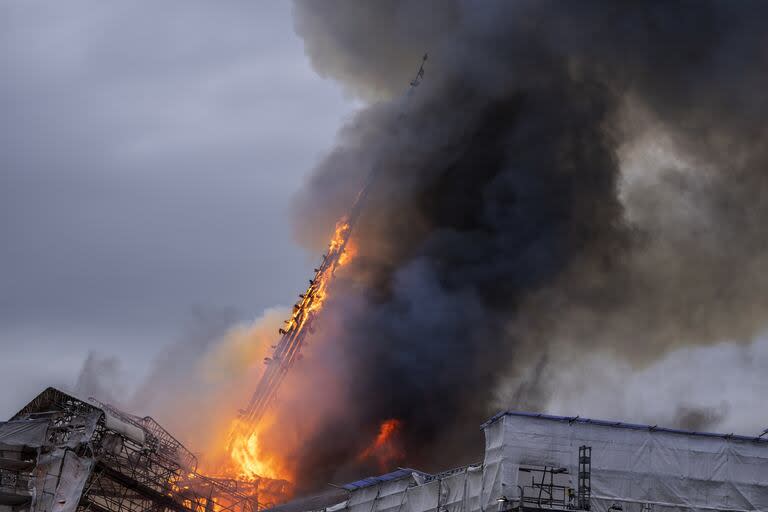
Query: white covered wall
[631,467]
[469,490]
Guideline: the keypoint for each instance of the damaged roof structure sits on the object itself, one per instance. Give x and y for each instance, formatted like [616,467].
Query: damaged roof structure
[64,454]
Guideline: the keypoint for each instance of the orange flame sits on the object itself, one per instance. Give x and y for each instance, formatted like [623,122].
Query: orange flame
[253,460]
[249,455]
[350,251]
[342,227]
[385,449]
[313,300]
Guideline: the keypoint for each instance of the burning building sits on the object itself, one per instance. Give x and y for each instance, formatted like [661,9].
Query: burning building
[60,453]
[580,188]
[543,462]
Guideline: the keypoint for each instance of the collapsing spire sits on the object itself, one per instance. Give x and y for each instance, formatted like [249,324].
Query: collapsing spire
[299,325]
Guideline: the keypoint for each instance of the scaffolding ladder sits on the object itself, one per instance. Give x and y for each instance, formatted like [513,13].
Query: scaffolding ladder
[584,493]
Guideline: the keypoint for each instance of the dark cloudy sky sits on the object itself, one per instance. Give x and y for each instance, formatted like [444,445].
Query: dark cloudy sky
[148,155]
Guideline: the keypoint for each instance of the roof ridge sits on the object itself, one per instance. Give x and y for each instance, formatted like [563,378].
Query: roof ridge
[620,424]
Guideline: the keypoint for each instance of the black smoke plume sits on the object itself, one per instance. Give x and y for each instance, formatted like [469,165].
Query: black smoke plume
[570,178]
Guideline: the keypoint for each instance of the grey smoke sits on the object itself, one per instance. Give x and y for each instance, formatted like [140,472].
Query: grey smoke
[582,179]
[715,387]
[700,419]
[174,375]
[100,377]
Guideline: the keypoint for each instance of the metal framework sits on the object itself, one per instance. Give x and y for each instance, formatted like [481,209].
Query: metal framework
[585,478]
[162,441]
[547,489]
[299,326]
[288,349]
[113,462]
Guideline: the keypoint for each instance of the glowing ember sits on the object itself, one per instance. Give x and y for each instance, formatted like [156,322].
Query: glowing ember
[385,449]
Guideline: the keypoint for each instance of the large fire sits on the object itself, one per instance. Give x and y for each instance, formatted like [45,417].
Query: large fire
[249,454]
[251,458]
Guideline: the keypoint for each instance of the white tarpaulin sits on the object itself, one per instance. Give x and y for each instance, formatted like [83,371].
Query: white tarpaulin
[470,489]
[30,433]
[635,466]
[60,476]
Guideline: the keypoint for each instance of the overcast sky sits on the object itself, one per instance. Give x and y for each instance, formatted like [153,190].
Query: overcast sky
[148,155]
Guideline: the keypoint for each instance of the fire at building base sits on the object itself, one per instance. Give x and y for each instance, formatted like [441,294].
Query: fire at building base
[63,454]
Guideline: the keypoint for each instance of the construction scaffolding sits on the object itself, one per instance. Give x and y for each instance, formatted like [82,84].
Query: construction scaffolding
[64,454]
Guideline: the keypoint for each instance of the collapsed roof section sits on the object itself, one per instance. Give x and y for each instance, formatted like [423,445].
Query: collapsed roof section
[64,454]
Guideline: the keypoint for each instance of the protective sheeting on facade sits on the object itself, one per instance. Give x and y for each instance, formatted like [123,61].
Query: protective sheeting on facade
[467,489]
[636,467]
[132,432]
[15,434]
[632,468]
[59,480]
[464,490]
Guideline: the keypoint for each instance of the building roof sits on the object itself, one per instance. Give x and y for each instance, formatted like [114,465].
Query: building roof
[54,399]
[619,424]
[315,502]
[387,477]
[341,492]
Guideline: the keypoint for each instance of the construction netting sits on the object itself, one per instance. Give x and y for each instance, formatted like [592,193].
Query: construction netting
[631,468]
[16,434]
[468,489]
[636,467]
[465,490]
[60,476]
